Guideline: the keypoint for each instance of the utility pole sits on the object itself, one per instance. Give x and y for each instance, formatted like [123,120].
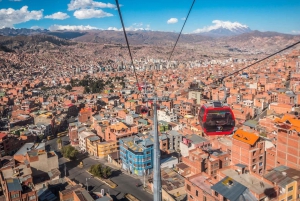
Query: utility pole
[65,170]
[156,156]
[144,178]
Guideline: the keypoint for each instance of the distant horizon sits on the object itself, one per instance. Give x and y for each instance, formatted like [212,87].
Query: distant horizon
[69,30]
[167,16]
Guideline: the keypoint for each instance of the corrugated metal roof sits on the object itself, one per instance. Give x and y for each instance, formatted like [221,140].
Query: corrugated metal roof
[229,188]
[251,123]
[14,184]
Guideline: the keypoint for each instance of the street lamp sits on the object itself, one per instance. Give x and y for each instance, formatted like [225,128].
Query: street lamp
[87,185]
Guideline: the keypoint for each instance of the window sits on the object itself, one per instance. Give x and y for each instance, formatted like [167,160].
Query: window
[290,188]
[15,195]
[216,194]
[188,187]
[224,199]
[148,152]
[290,198]
[204,198]
[191,197]
[196,193]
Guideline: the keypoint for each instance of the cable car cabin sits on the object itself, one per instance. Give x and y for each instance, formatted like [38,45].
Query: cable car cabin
[216,119]
[144,110]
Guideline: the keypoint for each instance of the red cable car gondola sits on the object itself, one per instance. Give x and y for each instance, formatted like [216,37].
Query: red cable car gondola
[144,110]
[216,119]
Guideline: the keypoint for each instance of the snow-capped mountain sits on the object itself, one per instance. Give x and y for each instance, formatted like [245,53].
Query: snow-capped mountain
[223,28]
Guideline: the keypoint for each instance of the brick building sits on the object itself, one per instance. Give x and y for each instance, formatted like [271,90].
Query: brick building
[248,149]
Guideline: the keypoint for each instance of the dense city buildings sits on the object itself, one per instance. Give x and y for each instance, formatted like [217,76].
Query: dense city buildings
[52,100]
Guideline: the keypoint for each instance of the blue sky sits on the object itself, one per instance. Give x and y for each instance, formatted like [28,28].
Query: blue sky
[264,15]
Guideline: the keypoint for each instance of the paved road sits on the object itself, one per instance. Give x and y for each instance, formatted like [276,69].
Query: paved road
[126,184]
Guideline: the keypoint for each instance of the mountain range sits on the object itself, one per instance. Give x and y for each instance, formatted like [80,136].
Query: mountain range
[238,42]
[218,31]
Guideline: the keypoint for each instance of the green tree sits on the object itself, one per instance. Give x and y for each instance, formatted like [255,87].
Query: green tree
[41,137]
[69,152]
[96,170]
[101,171]
[68,88]
[106,172]
[87,90]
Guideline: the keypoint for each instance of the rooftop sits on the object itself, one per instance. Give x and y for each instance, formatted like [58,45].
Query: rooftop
[243,136]
[200,181]
[254,184]
[24,149]
[283,176]
[138,144]
[171,180]
[14,184]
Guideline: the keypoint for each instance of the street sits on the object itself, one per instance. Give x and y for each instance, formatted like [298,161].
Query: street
[126,183]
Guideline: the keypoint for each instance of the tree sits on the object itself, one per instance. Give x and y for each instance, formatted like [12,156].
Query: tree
[69,152]
[106,172]
[101,171]
[87,90]
[68,88]
[41,137]
[96,170]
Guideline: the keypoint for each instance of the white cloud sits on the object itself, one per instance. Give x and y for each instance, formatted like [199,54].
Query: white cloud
[36,27]
[58,16]
[71,27]
[80,4]
[91,13]
[295,32]
[9,17]
[15,0]
[183,18]
[172,20]
[113,29]
[134,27]
[221,24]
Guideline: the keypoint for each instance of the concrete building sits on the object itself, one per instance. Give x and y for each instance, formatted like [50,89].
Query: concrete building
[174,140]
[288,182]
[106,148]
[173,188]
[92,145]
[194,94]
[82,139]
[259,188]
[192,141]
[166,115]
[41,162]
[137,154]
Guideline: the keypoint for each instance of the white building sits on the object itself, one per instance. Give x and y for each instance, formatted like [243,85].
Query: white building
[129,119]
[166,115]
[82,139]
